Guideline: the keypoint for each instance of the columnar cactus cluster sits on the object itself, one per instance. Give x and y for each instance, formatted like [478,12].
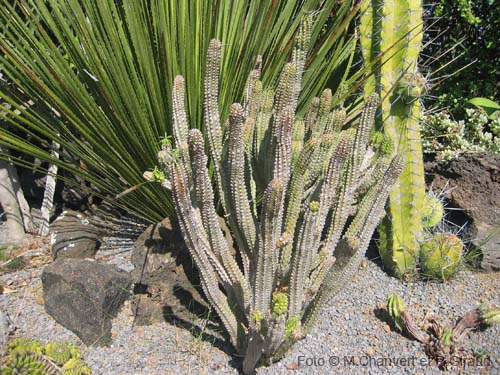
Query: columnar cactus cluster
[301,196]
[391,38]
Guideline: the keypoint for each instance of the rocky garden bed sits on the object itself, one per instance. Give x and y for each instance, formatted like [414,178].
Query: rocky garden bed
[126,294]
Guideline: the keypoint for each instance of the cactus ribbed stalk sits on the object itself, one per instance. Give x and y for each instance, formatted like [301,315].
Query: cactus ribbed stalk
[393,29]
[287,195]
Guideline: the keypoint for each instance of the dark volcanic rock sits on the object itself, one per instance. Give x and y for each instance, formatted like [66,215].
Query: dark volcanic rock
[164,276]
[474,185]
[83,296]
[73,236]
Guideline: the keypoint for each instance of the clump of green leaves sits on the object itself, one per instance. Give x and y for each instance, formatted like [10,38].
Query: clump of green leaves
[448,137]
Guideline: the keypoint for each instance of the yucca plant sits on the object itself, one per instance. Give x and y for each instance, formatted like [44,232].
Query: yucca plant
[98,74]
[300,194]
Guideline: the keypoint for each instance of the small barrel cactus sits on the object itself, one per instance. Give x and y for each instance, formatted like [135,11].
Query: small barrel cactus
[433,211]
[440,256]
[59,352]
[396,307]
[76,366]
[489,315]
[23,345]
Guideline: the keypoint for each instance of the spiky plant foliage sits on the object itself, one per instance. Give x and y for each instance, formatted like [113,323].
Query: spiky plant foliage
[440,256]
[397,26]
[95,76]
[287,186]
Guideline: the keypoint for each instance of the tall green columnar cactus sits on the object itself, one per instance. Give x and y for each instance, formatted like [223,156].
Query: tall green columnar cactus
[391,38]
[289,188]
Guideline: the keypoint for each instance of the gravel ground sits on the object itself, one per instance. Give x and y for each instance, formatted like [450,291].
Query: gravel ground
[349,338]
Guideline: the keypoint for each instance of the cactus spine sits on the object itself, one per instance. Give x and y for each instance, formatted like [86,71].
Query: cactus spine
[394,28]
[287,186]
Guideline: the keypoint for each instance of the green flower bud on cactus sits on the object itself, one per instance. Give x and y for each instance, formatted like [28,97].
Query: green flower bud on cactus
[489,315]
[166,140]
[280,303]
[433,211]
[291,325]
[23,345]
[411,86]
[158,175]
[257,316]
[446,336]
[314,206]
[59,352]
[76,367]
[440,256]
[396,307]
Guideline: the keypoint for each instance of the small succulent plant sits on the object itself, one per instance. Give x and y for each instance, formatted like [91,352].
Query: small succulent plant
[396,307]
[29,364]
[440,256]
[59,352]
[76,366]
[443,344]
[30,357]
[23,345]
[447,137]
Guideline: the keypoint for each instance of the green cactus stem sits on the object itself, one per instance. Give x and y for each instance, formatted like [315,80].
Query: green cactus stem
[391,40]
[440,256]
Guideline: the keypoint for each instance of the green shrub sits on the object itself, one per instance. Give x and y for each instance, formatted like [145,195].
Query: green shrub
[447,137]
